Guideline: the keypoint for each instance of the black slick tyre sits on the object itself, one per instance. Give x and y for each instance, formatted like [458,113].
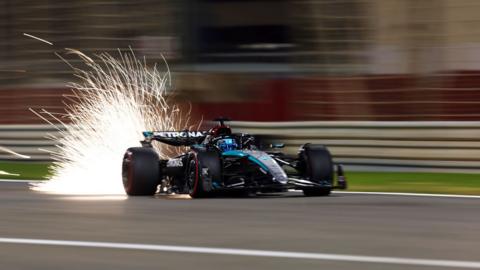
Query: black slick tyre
[318,167]
[140,171]
[202,169]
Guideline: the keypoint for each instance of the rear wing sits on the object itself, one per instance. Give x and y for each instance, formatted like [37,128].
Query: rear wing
[175,138]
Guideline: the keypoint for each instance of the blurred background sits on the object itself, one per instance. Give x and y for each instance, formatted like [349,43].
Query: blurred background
[391,87]
[275,60]
[260,60]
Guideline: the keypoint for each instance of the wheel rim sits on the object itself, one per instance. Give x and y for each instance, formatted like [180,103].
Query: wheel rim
[191,176]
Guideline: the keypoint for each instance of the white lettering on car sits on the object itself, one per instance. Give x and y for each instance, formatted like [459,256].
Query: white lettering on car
[176,162]
[177,134]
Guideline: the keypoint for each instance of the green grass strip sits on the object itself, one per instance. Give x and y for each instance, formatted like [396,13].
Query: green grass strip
[417,182]
[30,170]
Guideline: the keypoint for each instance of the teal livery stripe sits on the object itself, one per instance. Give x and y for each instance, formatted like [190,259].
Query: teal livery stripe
[237,153]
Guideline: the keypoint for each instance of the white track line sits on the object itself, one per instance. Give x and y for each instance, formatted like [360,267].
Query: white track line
[18,181]
[409,194]
[249,252]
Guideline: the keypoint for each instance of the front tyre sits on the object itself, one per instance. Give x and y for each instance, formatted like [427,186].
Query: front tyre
[203,169]
[140,171]
[318,167]
[194,180]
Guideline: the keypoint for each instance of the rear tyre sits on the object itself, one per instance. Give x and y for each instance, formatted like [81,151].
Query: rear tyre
[140,171]
[318,167]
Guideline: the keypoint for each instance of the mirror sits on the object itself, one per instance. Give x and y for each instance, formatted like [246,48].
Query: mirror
[277,145]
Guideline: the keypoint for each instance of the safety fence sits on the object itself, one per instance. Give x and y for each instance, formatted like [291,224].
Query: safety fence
[421,145]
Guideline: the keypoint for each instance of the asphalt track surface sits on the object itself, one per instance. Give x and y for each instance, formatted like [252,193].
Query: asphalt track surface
[342,224]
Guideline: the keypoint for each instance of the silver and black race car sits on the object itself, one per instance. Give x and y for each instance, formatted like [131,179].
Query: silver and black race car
[221,162]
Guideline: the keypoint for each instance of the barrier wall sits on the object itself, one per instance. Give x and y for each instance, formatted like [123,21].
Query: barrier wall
[429,145]
[407,145]
[30,140]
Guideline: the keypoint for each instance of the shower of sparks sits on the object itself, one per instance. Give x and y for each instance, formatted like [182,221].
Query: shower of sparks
[9,174]
[4,149]
[113,102]
[11,152]
[37,38]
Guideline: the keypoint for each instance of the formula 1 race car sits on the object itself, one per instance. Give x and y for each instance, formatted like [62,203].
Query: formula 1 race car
[222,162]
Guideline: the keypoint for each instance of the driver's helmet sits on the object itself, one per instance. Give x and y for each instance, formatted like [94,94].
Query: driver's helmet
[227,144]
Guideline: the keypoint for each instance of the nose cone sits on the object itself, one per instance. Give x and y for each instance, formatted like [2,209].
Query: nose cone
[264,161]
[268,163]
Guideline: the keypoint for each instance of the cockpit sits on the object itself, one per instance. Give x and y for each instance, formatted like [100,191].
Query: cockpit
[227,144]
